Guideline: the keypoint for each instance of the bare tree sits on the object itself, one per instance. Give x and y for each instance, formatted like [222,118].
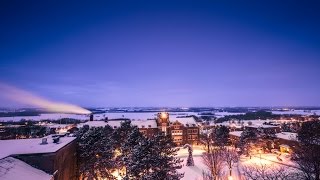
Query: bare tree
[264,172]
[214,161]
[230,156]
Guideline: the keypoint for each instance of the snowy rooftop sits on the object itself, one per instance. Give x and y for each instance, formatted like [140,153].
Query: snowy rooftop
[12,169]
[261,126]
[145,123]
[236,133]
[287,136]
[31,146]
[184,120]
[116,124]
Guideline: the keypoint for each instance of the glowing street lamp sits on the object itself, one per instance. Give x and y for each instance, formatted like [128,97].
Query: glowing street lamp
[164,115]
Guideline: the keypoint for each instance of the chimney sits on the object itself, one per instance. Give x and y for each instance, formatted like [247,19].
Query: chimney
[91,117]
[56,139]
[44,141]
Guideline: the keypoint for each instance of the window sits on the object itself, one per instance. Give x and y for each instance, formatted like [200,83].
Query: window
[149,126]
[142,126]
[192,131]
[144,132]
[192,137]
[177,139]
[176,132]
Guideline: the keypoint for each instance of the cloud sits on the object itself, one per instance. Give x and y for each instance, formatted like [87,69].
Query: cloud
[27,98]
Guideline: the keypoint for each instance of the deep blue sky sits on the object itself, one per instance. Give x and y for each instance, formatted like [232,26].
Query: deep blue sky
[163,53]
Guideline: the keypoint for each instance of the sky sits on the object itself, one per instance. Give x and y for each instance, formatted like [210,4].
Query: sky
[162,53]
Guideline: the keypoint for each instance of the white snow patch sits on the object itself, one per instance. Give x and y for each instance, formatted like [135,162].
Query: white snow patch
[13,169]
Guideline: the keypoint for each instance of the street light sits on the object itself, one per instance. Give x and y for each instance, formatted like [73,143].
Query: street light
[260,153]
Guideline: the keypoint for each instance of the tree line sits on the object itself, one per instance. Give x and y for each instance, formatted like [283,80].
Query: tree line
[124,152]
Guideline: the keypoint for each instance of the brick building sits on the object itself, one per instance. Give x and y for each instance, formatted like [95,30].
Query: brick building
[184,129]
[57,159]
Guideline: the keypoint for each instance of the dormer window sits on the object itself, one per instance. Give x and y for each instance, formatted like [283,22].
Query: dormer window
[149,126]
[114,126]
[142,126]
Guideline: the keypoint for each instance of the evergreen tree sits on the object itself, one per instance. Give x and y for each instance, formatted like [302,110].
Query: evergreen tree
[131,154]
[307,153]
[122,144]
[139,163]
[247,137]
[96,152]
[164,163]
[220,135]
[190,161]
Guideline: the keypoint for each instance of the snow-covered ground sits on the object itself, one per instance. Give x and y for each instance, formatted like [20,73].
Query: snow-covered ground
[222,114]
[195,172]
[132,116]
[299,112]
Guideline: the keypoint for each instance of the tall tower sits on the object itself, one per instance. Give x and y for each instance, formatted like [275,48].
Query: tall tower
[163,122]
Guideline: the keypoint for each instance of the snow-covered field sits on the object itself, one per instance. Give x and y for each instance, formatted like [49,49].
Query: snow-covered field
[132,116]
[195,172]
[298,112]
[222,114]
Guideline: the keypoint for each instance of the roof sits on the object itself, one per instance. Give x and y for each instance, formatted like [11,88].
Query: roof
[145,123]
[287,136]
[235,133]
[186,121]
[12,169]
[262,126]
[93,124]
[116,124]
[31,146]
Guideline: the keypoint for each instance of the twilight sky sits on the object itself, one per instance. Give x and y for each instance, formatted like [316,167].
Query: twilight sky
[163,53]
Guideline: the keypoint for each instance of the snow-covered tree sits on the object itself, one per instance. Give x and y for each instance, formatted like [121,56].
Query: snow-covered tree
[230,156]
[220,135]
[264,172]
[164,163]
[132,154]
[190,161]
[248,136]
[214,161]
[96,152]
[307,154]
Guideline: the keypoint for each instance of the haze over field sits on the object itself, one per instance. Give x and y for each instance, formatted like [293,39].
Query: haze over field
[25,98]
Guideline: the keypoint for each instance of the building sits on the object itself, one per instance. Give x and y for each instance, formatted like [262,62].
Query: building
[276,129]
[234,137]
[287,141]
[55,156]
[183,130]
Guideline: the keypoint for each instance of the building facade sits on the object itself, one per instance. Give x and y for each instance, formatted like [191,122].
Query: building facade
[182,130]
